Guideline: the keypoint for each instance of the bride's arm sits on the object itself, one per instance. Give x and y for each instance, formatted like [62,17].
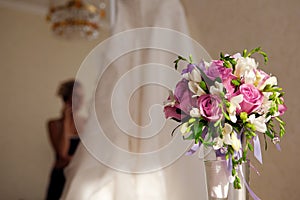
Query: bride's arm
[59,136]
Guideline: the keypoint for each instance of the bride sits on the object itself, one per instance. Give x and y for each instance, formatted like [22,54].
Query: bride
[87,178]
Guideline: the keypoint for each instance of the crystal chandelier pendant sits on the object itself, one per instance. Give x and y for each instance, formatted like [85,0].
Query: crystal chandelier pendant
[78,18]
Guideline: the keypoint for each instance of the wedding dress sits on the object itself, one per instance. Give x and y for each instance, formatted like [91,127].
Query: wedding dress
[87,178]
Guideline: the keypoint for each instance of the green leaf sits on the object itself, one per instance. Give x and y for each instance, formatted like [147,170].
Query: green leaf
[227,156]
[221,55]
[255,50]
[233,172]
[218,79]
[269,134]
[191,58]
[266,144]
[202,85]
[217,123]
[233,62]
[281,126]
[227,64]
[228,61]
[224,113]
[282,130]
[236,82]
[279,120]
[192,120]
[198,131]
[176,129]
[244,155]
[231,151]
[252,127]
[245,53]
[267,88]
[258,50]
[190,137]
[177,61]
[250,146]
[274,89]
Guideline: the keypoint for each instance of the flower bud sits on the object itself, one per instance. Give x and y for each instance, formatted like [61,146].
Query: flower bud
[251,126]
[243,116]
[276,140]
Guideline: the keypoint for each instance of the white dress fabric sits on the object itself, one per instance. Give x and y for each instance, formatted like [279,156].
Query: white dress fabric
[89,179]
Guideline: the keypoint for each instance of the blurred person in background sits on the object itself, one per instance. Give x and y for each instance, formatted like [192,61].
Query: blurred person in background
[63,135]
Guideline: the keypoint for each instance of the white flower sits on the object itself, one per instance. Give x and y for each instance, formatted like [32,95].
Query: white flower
[235,142]
[195,88]
[195,112]
[244,65]
[218,143]
[249,77]
[184,128]
[186,76]
[236,56]
[266,104]
[216,89]
[227,130]
[234,105]
[195,75]
[229,138]
[170,102]
[207,64]
[259,123]
[270,81]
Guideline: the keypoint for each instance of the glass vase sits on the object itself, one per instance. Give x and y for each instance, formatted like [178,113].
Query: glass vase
[218,184]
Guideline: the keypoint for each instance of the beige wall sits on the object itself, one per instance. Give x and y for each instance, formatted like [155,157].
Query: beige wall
[33,62]
[233,25]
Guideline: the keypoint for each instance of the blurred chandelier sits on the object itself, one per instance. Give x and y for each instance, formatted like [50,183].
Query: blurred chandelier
[77,18]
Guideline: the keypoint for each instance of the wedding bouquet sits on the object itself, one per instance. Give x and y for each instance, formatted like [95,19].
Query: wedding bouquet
[225,104]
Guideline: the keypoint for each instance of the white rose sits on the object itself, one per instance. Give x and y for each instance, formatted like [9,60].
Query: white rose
[244,65]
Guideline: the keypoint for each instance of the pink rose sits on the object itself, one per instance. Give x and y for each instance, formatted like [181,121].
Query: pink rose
[217,69]
[230,88]
[225,72]
[212,71]
[252,98]
[209,106]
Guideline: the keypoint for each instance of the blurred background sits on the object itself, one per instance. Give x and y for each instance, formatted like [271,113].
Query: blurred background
[34,61]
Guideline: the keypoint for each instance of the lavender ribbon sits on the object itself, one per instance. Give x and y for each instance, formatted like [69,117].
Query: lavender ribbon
[257,149]
[195,147]
[278,147]
[253,195]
